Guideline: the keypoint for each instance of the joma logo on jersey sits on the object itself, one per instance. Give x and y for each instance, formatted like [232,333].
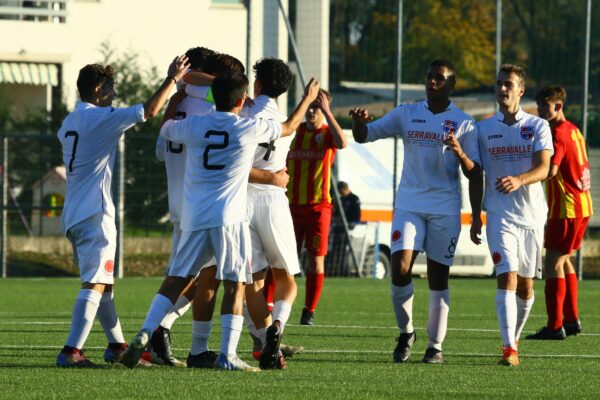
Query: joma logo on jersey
[418,121]
[450,126]
[490,137]
[527,132]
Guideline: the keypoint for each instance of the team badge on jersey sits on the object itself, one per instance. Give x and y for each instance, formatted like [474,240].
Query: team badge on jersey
[450,126]
[527,132]
[319,137]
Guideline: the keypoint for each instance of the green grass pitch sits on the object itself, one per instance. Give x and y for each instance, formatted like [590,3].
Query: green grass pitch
[348,353]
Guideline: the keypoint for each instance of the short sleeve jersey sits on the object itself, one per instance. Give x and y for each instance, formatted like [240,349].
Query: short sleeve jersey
[220,150]
[309,163]
[508,150]
[173,154]
[269,156]
[89,136]
[430,170]
[569,190]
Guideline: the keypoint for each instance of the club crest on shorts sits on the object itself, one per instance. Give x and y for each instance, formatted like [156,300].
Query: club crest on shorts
[109,266]
[496,258]
[450,126]
[396,236]
[526,132]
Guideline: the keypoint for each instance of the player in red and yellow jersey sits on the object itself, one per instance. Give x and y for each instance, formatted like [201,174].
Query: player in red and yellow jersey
[309,165]
[569,211]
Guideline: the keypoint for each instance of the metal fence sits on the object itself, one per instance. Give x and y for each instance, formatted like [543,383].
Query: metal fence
[369,65]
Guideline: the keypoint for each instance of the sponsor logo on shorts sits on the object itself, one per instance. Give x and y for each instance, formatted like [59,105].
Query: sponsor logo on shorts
[496,258]
[396,235]
[527,132]
[109,266]
[450,126]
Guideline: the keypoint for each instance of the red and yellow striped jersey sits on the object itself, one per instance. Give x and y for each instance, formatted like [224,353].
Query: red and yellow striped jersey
[569,191]
[309,166]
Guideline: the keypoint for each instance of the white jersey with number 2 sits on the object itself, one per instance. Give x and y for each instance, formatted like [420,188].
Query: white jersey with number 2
[221,148]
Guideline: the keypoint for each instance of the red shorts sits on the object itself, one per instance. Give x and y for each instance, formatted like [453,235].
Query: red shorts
[311,225]
[565,234]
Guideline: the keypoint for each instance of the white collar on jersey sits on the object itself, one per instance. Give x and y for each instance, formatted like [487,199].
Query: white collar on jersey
[82,105]
[262,102]
[451,106]
[519,116]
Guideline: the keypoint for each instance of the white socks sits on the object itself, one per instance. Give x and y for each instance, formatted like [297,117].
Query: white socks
[523,309]
[84,312]
[201,331]
[181,306]
[159,308]
[107,315]
[437,324]
[402,299]
[231,328]
[506,311]
[281,313]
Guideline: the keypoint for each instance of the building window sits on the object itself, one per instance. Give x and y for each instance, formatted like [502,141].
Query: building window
[35,11]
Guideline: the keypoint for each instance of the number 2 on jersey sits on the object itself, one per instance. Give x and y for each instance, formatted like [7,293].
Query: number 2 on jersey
[218,146]
[75,141]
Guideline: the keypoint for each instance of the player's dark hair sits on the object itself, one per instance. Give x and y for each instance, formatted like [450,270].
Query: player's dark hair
[274,75]
[444,63]
[514,69]
[93,75]
[197,56]
[342,185]
[227,89]
[554,94]
[223,63]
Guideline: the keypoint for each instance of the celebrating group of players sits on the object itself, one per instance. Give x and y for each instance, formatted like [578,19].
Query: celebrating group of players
[225,157]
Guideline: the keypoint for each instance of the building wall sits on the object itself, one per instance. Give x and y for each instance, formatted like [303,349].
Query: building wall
[155,29]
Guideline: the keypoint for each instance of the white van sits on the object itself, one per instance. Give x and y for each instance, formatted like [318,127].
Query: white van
[368,169]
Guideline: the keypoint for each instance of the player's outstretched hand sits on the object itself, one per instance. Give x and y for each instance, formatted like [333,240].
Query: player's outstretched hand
[248,101]
[311,91]
[178,67]
[323,102]
[360,115]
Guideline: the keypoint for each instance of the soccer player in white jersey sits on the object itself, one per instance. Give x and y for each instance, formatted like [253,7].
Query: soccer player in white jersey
[173,155]
[271,225]
[516,148]
[438,138]
[89,136]
[220,147]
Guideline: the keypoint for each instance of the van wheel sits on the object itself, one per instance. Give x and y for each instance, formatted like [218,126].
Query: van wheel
[382,269]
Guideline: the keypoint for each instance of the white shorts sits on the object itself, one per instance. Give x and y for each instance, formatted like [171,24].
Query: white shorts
[272,232]
[513,248]
[435,234]
[94,242]
[229,244]
[175,239]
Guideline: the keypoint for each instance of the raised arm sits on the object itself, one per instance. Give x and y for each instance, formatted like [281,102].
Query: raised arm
[470,168]
[198,78]
[172,106]
[176,70]
[539,172]
[360,119]
[337,134]
[310,94]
